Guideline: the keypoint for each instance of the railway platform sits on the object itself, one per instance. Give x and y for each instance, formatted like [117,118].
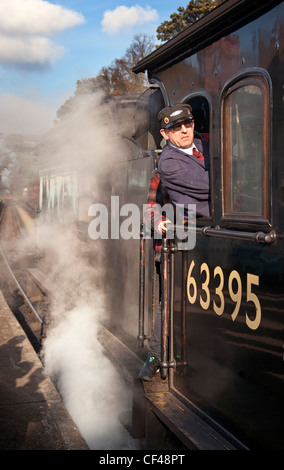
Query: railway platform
[32,414]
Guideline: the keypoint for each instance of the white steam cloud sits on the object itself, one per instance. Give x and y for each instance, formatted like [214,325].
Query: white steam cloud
[90,386]
[123,17]
[22,116]
[8,160]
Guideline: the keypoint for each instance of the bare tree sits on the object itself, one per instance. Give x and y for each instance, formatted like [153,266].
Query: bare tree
[118,78]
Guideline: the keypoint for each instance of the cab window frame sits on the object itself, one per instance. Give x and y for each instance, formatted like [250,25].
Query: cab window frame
[262,81]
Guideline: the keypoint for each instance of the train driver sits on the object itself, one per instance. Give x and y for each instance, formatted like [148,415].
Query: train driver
[184,162]
[183,176]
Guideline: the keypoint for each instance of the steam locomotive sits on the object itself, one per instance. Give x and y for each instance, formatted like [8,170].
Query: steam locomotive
[221,381]
[222,366]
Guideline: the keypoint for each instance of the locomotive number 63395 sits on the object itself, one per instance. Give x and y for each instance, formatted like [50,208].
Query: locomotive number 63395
[235,290]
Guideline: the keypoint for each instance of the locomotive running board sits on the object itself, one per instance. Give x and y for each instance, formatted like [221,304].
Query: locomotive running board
[125,359]
[185,424]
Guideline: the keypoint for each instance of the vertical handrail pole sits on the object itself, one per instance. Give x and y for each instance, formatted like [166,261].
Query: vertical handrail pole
[141,336]
[155,285]
[165,305]
[183,307]
[171,359]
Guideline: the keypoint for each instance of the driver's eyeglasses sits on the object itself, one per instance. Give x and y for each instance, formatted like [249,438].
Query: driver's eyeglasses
[177,127]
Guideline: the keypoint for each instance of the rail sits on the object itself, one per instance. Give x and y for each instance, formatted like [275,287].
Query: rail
[22,292]
[218,232]
[16,282]
[258,237]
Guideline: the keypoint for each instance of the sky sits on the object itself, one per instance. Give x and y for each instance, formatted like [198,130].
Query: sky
[47,45]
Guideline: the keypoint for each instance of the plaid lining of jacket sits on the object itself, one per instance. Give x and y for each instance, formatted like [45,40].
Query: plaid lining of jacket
[152,214]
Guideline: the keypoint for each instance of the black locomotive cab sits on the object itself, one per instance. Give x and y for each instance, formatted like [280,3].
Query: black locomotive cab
[222,300]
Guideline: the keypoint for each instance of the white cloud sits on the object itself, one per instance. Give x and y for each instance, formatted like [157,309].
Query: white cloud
[21,116]
[31,51]
[122,16]
[24,27]
[36,17]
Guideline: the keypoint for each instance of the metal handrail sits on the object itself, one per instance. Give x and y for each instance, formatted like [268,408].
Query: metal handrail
[208,231]
[22,292]
[141,319]
[140,336]
[167,307]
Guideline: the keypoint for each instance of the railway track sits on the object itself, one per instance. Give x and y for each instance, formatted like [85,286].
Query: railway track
[17,253]
[19,257]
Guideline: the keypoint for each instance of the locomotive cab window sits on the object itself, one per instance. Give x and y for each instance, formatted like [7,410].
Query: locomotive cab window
[200,111]
[245,149]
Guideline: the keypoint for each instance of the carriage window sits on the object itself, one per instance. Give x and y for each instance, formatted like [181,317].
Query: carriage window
[245,149]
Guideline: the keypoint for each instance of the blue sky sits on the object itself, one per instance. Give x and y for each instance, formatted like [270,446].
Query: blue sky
[47,45]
